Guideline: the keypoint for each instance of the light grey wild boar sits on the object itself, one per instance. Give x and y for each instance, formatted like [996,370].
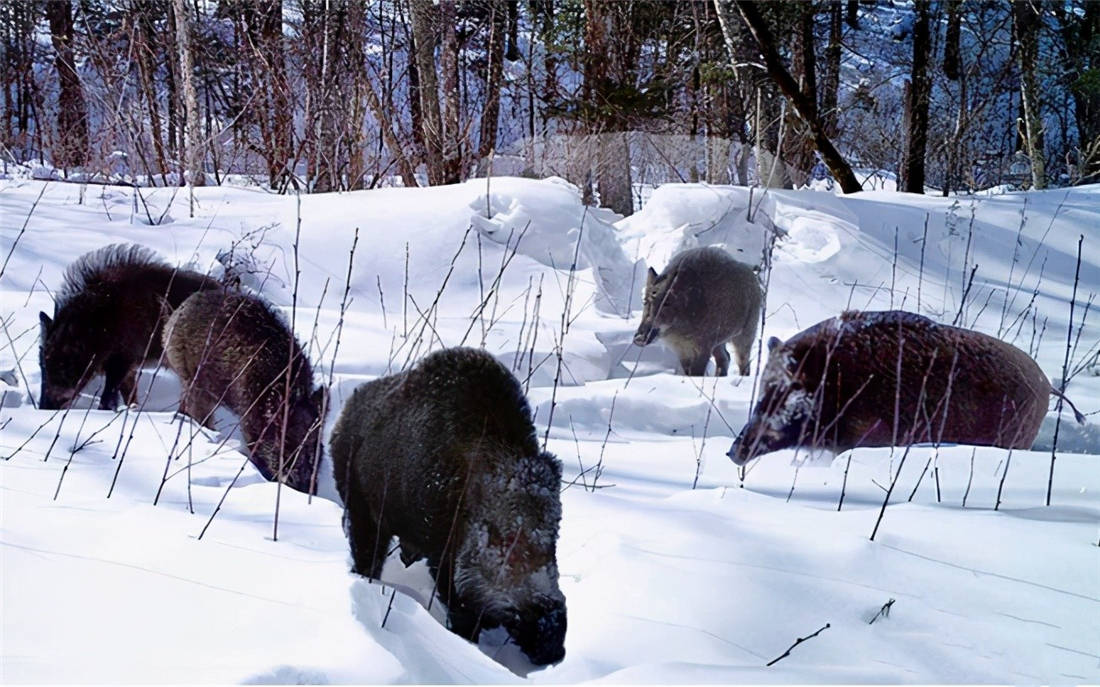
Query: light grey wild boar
[444,457]
[232,349]
[836,386]
[703,299]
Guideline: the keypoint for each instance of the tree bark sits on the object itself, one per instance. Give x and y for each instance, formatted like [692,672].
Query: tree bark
[952,64]
[1028,24]
[146,51]
[836,163]
[1081,37]
[431,119]
[448,64]
[830,75]
[799,145]
[192,135]
[605,120]
[493,76]
[71,149]
[917,102]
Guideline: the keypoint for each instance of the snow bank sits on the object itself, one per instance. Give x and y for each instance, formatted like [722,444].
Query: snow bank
[674,568]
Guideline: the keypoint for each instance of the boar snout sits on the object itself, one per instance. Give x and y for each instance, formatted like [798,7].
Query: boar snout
[542,637]
[646,334]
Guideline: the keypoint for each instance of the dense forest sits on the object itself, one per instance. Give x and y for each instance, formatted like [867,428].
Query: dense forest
[613,95]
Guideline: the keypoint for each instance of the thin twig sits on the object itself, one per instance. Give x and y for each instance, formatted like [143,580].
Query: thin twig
[797,642]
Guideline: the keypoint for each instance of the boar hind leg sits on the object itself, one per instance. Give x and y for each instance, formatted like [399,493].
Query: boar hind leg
[721,360]
[742,347]
[695,365]
[198,405]
[119,374]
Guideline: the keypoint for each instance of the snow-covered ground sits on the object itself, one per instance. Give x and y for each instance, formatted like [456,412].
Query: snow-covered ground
[674,568]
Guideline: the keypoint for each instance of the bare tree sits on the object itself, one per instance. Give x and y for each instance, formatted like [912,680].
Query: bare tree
[806,108]
[499,16]
[192,134]
[424,37]
[1028,24]
[71,149]
[918,95]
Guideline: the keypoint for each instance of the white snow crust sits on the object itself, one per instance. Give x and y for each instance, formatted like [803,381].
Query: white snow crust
[663,582]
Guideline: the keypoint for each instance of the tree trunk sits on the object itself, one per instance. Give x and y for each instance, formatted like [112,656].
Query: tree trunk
[836,163]
[20,88]
[604,120]
[71,149]
[1081,37]
[1028,24]
[432,129]
[952,63]
[799,145]
[146,57]
[852,14]
[493,77]
[513,52]
[262,25]
[917,102]
[448,64]
[830,76]
[192,135]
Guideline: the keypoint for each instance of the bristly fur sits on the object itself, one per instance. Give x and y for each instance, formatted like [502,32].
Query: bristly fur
[893,377]
[108,316]
[104,267]
[445,457]
[233,349]
[703,299]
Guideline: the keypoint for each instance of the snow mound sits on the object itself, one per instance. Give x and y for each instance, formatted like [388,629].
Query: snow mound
[682,216]
[547,227]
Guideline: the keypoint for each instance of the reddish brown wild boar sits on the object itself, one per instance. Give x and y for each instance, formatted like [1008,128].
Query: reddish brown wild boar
[836,386]
[444,457]
[703,299]
[232,349]
[108,316]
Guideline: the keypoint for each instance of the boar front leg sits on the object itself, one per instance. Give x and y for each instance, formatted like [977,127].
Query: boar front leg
[369,541]
[119,375]
[721,360]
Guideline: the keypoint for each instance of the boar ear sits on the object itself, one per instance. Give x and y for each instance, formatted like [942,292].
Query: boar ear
[773,343]
[44,321]
[650,276]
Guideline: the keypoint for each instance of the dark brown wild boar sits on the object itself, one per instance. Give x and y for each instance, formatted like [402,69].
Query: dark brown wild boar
[232,349]
[108,316]
[444,457]
[703,299]
[836,386]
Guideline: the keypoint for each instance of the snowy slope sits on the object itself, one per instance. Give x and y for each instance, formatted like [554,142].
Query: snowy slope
[664,582]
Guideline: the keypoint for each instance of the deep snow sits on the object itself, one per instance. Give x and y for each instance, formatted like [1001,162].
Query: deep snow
[664,582]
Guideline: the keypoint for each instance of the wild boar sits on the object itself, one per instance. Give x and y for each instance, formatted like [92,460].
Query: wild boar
[108,316]
[233,349]
[836,386]
[703,299]
[444,457]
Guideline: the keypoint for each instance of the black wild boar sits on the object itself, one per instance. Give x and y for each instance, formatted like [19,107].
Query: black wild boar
[703,299]
[108,316]
[835,386]
[232,349]
[444,457]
